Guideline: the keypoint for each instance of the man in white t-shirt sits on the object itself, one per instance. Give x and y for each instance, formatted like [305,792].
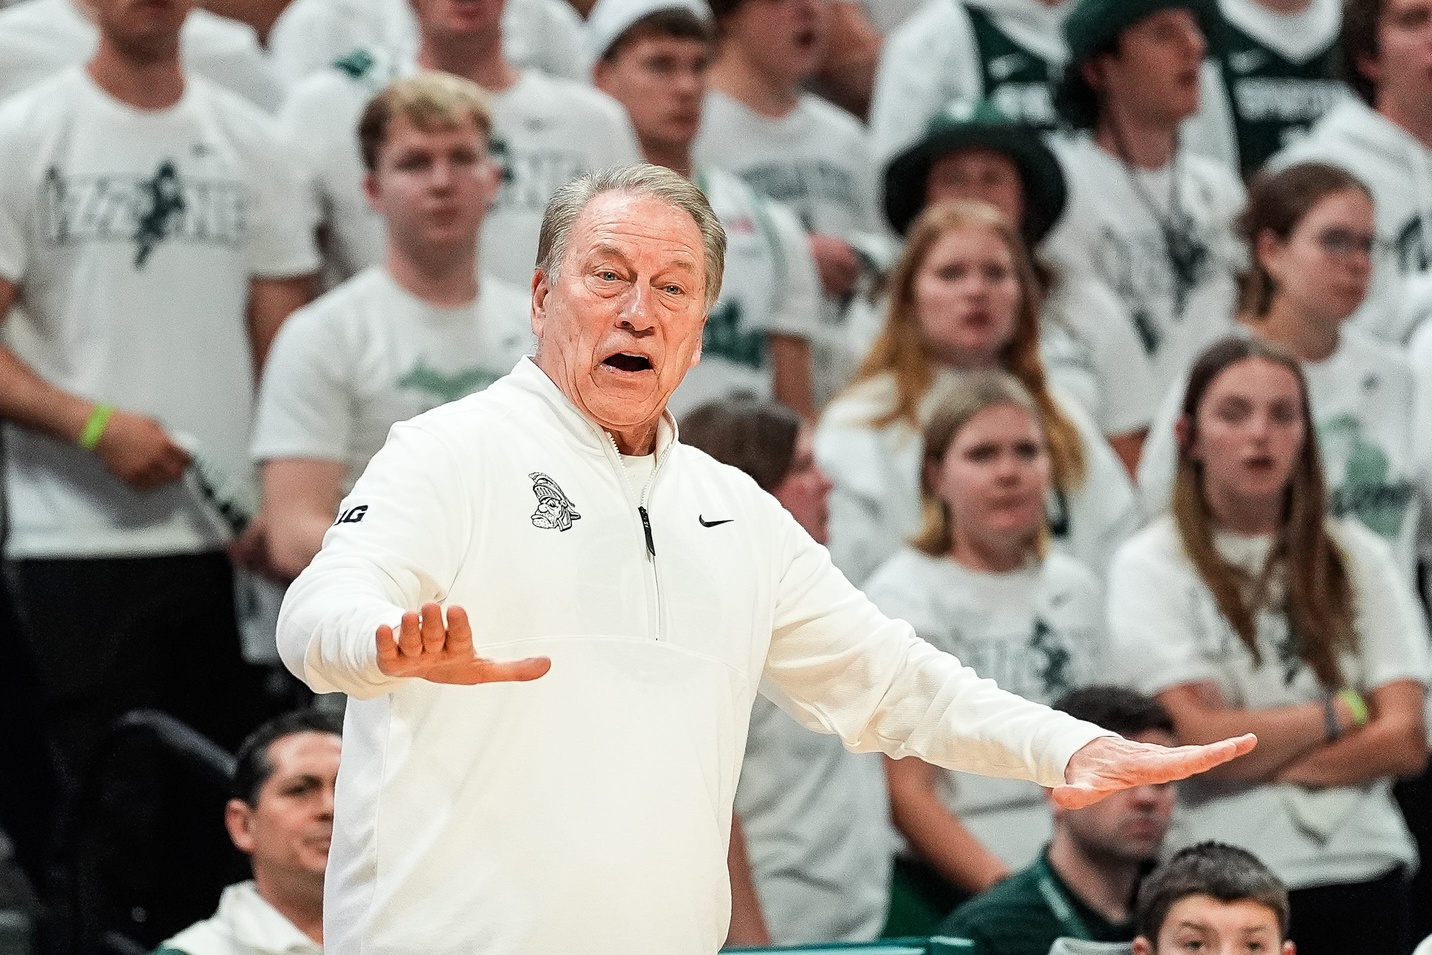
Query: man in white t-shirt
[546,130]
[1384,137]
[653,57]
[1145,217]
[39,38]
[398,339]
[152,239]
[281,817]
[798,149]
[310,35]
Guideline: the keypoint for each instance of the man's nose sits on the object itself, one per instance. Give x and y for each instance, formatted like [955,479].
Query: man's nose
[639,309]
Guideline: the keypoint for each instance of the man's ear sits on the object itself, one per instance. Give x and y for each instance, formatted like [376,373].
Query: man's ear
[1142,946]
[1092,70]
[602,75]
[1289,948]
[239,820]
[1369,69]
[540,288]
[370,191]
[696,355]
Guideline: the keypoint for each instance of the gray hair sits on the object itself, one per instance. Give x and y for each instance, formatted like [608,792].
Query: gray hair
[640,179]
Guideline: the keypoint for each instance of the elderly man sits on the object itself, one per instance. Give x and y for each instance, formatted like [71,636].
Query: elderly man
[589,810]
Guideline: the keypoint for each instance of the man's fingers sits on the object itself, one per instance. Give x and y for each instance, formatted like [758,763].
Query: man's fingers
[434,630]
[459,632]
[410,637]
[1200,759]
[515,671]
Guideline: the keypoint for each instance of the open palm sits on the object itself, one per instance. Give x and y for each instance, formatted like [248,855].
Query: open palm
[441,651]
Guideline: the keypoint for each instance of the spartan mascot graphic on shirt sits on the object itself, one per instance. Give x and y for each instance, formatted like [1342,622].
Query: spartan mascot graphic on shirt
[554,509]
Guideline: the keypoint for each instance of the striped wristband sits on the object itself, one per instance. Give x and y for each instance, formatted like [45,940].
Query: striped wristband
[94,427]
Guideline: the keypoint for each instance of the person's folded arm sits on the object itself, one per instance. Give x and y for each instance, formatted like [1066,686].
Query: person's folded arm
[936,834]
[300,502]
[1392,743]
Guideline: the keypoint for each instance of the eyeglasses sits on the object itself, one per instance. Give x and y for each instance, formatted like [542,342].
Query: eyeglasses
[1345,243]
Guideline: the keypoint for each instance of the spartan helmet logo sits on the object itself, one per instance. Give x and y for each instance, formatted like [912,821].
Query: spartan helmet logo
[554,510]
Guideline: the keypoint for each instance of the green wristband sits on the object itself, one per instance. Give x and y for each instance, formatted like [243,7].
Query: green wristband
[94,427]
[1356,705]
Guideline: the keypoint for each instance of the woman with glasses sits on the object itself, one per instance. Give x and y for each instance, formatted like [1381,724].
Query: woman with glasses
[1248,610]
[1312,241]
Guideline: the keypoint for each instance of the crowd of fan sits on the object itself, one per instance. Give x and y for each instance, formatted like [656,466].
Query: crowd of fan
[1095,349]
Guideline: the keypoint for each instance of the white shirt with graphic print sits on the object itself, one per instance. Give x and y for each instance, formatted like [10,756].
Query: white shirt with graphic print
[133,236]
[39,38]
[770,287]
[545,132]
[816,161]
[1118,227]
[1362,397]
[1167,631]
[369,354]
[1037,632]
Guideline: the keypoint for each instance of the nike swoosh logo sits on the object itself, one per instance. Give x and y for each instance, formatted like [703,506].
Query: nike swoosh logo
[706,523]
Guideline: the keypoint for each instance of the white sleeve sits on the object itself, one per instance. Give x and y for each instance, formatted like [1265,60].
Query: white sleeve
[1419,356]
[858,529]
[1152,621]
[928,61]
[1158,464]
[405,550]
[305,403]
[1105,511]
[308,36]
[1391,627]
[282,222]
[16,199]
[846,669]
[796,305]
[239,64]
[1210,132]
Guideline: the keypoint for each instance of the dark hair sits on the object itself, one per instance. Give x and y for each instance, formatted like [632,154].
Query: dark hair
[759,437]
[1225,872]
[252,766]
[1318,587]
[1277,203]
[1357,40]
[1076,102]
[724,8]
[1116,709]
[675,23]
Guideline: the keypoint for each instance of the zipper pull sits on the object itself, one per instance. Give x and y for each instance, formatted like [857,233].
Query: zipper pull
[646,528]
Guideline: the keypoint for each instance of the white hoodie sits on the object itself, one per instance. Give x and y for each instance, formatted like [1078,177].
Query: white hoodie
[590,810]
[1398,170]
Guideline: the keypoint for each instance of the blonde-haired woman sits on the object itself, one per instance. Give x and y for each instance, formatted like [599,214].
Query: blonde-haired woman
[1248,609]
[981,582]
[963,298]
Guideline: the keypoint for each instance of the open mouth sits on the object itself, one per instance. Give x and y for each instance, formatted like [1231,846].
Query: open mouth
[623,361]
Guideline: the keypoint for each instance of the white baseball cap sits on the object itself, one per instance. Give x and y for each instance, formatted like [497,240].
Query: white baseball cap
[609,19]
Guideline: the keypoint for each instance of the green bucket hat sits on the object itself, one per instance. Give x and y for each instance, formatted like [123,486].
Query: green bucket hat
[963,125]
[1093,26]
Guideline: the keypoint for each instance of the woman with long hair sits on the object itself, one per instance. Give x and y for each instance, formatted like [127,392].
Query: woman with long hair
[1310,231]
[815,817]
[980,581]
[963,298]
[1248,609]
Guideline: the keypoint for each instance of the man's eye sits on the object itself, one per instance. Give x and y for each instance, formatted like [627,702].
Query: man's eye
[607,275]
[675,290]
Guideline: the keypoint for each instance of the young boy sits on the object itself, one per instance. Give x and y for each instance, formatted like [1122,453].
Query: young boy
[1214,899]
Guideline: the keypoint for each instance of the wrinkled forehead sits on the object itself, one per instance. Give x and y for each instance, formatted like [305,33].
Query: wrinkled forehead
[644,230]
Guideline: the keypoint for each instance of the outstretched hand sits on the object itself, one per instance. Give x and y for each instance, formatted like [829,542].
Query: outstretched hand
[1111,763]
[439,652]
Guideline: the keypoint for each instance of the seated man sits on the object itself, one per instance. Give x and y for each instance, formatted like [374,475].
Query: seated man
[281,817]
[1212,898]
[1083,883]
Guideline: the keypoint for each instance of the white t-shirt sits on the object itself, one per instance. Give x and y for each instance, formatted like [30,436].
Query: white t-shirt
[875,501]
[1362,398]
[770,287]
[39,38]
[1037,632]
[816,161]
[310,35]
[1167,631]
[1113,229]
[818,835]
[545,132]
[1419,355]
[133,236]
[886,15]
[370,354]
[245,924]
